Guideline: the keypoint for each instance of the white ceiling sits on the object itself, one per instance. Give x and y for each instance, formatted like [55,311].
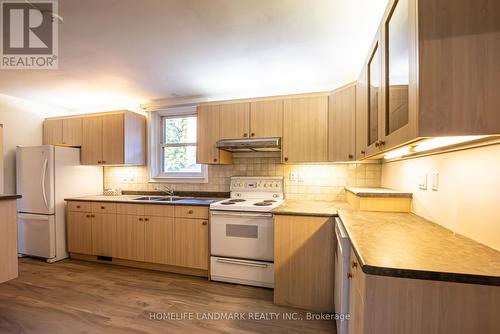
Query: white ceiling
[121,53]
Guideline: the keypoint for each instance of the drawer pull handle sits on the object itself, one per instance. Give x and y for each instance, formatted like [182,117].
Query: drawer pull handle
[204,223]
[245,135]
[215,160]
[78,207]
[88,216]
[146,219]
[93,216]
[349,275]
[99,161]
[252,134]
[190,212]
[354,264]
[286,159]
[102,208]
[140,219]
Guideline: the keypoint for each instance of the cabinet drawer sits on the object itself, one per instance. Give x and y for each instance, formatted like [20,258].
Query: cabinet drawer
[130,209]
[186,211]
[79,206]
[156,210]
[103,207]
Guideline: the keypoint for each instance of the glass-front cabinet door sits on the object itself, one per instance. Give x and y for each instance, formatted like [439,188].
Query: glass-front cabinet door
[397,115]
[374,94]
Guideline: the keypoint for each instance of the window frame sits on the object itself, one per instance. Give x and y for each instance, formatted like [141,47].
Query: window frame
[156,145]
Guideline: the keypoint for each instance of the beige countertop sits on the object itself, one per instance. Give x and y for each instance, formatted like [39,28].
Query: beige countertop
[406,245]
[310,208]
[378,192]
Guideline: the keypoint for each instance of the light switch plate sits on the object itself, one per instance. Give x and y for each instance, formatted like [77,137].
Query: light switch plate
[422,184]
[300,176]
[435,181]
[293,176]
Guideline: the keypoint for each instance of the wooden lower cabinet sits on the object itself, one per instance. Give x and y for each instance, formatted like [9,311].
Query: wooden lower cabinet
[80,232]
[304,250]
[155,234]
[191,243]
[159,236]
[129,238]
[392,305]
[103,232]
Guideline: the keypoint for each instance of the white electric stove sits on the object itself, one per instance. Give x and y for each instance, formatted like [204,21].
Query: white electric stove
[242,232]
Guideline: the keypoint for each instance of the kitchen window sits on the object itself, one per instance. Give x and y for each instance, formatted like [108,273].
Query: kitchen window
[173,146]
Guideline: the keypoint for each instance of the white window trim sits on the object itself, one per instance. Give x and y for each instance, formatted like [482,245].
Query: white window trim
[155,150]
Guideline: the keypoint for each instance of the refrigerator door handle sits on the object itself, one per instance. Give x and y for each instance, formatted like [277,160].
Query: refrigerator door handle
[44,172]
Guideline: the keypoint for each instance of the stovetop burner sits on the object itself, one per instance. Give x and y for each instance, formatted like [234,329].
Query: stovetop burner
[237,200]
[269,201]
[227,203]
[264,203]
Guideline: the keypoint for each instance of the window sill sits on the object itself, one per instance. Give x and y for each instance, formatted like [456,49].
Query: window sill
[166,179]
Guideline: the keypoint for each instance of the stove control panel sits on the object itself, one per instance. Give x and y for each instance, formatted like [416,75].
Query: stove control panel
[257,184]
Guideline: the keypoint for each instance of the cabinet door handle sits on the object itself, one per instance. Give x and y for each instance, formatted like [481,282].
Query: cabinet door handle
[350,156]
[190,212]
[103,162]
[99,161]
[140,219]
[286,159]
[88,216]
[215,160]
[377,143]
[93,216]
[252,134]
[381,143]
[146,219]
[78,207]
[245,135]
[204,223]
[102,208]
[363,152]
[349,275]
[354,264]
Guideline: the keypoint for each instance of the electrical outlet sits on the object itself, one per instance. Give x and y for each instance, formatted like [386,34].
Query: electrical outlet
[300,176]
[293,176]
[435,181]
[422,184]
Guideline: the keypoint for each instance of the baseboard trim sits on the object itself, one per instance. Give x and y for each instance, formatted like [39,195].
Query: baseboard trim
[144,265]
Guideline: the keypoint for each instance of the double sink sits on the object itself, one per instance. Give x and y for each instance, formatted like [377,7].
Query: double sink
[175,199]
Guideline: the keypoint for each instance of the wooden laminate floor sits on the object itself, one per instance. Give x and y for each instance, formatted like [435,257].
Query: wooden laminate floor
[83,297]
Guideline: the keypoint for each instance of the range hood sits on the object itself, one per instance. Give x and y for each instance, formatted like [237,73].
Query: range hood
[250,145]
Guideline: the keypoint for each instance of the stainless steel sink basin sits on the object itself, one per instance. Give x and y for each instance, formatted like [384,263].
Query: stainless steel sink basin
[148,198]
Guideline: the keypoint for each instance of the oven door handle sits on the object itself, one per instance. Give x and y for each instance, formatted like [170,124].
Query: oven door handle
[240,214]
[243,263]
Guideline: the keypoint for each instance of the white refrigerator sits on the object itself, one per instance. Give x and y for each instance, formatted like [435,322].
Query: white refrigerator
[46,175]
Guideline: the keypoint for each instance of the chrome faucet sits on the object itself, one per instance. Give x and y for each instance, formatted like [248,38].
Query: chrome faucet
[166,189]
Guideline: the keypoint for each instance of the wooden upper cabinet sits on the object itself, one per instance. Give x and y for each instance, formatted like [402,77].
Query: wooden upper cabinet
[114,139]
[64,132]
[52,132]
[440,72]
[341,124]
[266,119]
[91,152]
[234,120]
[208,133]
[305,129]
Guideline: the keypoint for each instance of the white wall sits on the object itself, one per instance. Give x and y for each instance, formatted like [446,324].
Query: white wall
[468,199]
[22,125]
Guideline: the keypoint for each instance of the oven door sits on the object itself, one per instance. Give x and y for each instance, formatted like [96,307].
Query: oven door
[243,235]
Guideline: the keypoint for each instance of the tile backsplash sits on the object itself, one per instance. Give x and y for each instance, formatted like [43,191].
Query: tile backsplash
[321,182]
